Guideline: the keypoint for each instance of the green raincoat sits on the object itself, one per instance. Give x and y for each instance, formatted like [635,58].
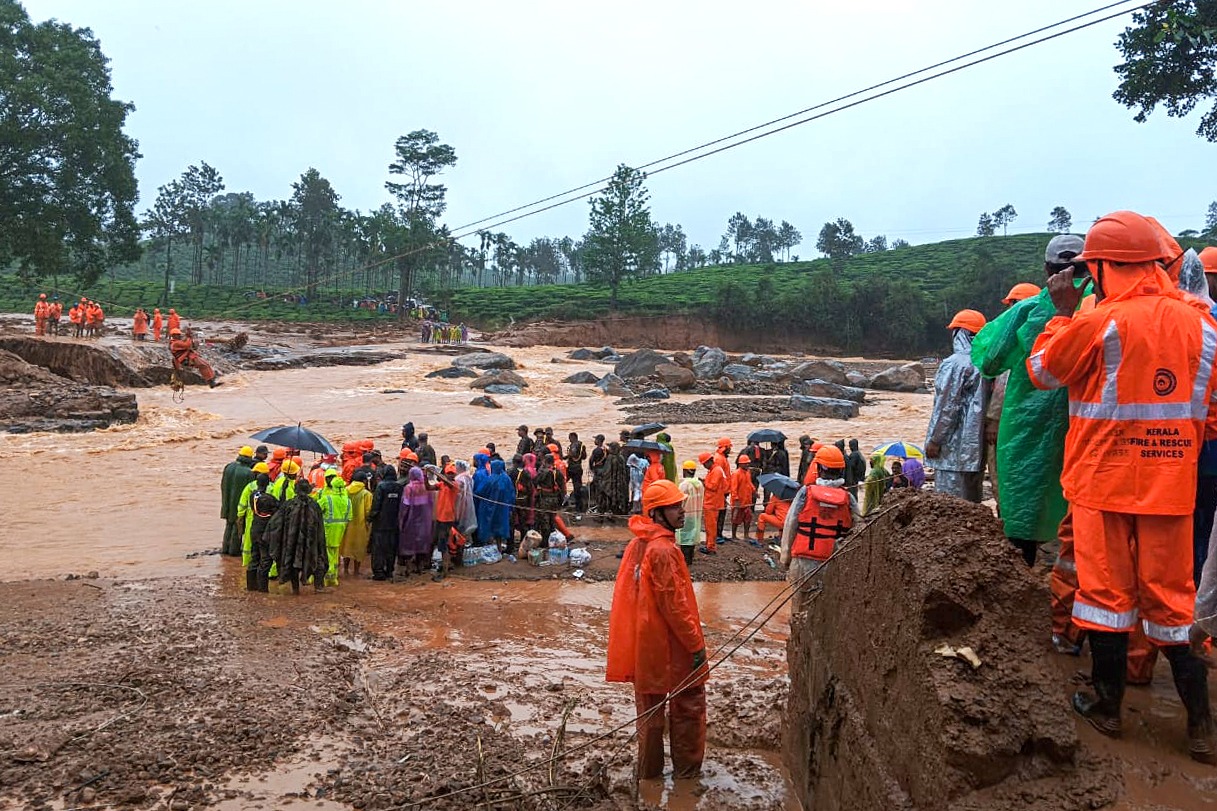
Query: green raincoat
[336,513]
[1031,435]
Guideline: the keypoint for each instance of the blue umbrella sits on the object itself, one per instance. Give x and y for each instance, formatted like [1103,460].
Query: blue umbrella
[295,436]
[779,485]
[900,450]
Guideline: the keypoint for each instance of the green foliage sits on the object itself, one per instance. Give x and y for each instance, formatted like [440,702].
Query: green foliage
[893,302]
[837,240]
[622,241]
[1170,58]
[67,170]
[1060,220]
[197,302]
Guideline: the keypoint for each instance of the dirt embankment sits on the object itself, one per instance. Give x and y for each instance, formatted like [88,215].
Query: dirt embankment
[880,719]
[675,331]
[34,399]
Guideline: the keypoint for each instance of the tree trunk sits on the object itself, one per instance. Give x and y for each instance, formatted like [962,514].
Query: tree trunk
[168,265]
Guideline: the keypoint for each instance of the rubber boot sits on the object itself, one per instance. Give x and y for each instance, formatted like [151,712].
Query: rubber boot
[1192,682]
[251,580]
[264,582]
[1109,656]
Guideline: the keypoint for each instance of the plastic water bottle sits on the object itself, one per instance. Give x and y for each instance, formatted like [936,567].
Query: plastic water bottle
[769,560]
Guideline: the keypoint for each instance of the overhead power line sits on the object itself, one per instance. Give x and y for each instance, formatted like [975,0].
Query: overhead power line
[755,133]
[582,190]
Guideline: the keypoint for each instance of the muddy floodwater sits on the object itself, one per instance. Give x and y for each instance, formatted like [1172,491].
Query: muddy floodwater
[135,500]
[372,694]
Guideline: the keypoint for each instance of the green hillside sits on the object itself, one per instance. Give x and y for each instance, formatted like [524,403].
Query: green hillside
[893,301]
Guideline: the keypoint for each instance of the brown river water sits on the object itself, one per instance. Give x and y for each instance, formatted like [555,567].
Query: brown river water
[139,503]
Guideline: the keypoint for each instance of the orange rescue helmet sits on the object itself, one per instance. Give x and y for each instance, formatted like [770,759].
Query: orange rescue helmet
[724,442]
[408,455]
[661,493]
[704,457]
[174,332]
[970,320]
[42,296]
[830,456]
[1208,257]
[1020,291]
[1172,253]
[280,454]
[1123,237]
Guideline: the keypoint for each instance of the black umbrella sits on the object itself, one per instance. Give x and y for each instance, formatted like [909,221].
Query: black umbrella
[779,485]
[646,445]
[766,435]
[295,436]
[638,432]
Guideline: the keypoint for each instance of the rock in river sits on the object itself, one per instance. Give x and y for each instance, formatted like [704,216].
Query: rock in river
[485,360]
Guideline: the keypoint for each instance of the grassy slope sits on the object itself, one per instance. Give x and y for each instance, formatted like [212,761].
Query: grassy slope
[929,267]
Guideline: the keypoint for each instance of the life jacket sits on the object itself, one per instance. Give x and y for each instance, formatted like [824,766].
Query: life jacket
[825,517]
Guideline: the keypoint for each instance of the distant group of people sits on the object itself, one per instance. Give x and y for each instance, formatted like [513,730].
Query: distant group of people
[1092,406]
[142,324]
[87,317]
[441,332]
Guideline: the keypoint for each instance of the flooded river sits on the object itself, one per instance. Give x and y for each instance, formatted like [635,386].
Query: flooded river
[139,505]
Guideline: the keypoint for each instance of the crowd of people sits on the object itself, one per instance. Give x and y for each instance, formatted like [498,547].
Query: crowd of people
[86,317]
[1091,405]
[441,332]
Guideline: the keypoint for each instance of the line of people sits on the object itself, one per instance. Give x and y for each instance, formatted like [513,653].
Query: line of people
[1092,403]
[441,332]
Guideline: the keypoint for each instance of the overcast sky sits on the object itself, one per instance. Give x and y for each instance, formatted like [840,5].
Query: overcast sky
[537,97]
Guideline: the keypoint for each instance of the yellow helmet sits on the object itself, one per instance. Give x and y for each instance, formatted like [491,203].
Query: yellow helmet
[247,452]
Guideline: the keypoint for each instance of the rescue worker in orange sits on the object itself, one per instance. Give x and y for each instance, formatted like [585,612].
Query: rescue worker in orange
[1140,372]
[42,311]
[54,313]
[655,638]
[743,496]
[820,515]
[139,326]
[182,347]
[157,324]
[76,316]
[774,516]
[714,502]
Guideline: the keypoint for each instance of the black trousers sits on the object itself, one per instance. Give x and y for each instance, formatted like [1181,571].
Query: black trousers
[687,551]
[576,481]
[384,553]
[234,537]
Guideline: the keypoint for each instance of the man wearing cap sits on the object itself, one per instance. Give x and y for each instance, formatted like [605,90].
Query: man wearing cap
[233,481]
[1141,374]
[955,437]
[655,638]
[1031,441]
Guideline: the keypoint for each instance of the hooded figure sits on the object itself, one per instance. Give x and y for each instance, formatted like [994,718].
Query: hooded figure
[236,477]
[262,507]
[876,485]
[336,513]
[296,538]
[613,483]
[466,509]
[668,458]
[416,518]
[495,496]
[638,471]
[358,532]
[955,437]
[383,518]
[408,439]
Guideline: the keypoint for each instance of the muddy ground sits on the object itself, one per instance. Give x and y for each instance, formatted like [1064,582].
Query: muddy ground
[188,693]
[161,684]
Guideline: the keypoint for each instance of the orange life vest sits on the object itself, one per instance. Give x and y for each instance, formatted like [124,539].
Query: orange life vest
[825,517]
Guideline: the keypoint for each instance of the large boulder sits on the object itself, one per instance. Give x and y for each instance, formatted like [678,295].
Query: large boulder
[582,378]
[452,372]
[604,352]
[655,394]
[738,371]
[909,377]
[640,364]
[749,359]
[828,370]
[499,377]
[581,354]
[708,362]
[858,379]
[484,360]
[502,388]
[822,388]
[824,407]
[683,360]
[484,402]
[614,386]
[675,377]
